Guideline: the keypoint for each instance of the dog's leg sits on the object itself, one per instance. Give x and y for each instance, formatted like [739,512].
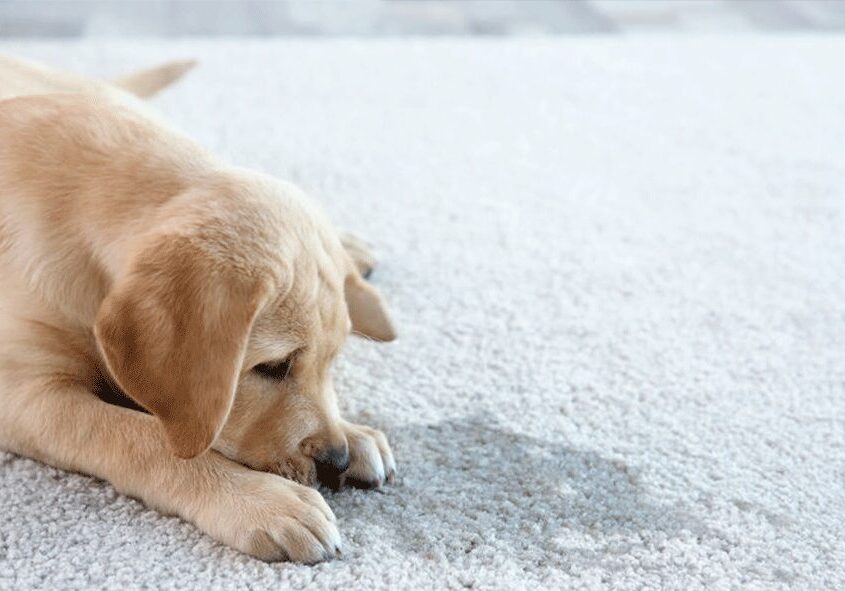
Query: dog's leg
[371,462]
[261,514]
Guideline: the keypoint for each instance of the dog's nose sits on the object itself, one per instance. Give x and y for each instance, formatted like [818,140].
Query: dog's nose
[331,463]
[336,457]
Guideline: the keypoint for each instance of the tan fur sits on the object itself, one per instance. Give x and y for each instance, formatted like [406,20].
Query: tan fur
[131,257]
[150,81]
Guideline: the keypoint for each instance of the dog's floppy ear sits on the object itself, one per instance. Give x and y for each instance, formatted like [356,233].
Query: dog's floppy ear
[367,310]
[173,333]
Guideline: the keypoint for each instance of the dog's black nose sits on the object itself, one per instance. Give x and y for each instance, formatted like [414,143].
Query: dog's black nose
[337,457]
[331,464]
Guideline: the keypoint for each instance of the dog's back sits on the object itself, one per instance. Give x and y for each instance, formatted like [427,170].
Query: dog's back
[32,98]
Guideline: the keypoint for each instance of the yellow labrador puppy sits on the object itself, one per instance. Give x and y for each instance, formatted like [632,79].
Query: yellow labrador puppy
[215,298]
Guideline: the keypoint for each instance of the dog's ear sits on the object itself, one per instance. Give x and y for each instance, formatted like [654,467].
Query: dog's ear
[173,333]
[367,310]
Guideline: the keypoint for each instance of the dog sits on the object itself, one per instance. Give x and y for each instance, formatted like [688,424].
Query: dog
[134,262]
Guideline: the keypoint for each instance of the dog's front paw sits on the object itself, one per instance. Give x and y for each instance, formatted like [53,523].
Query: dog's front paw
[271,518]
[371,461]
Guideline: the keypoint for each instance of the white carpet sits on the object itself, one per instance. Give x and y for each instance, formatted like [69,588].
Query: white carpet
[618,268]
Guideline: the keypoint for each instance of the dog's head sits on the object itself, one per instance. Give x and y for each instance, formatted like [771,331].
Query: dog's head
[227,317]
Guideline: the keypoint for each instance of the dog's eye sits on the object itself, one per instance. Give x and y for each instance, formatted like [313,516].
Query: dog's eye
[274,370]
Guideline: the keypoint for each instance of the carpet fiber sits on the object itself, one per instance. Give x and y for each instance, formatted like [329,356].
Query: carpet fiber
[618,269]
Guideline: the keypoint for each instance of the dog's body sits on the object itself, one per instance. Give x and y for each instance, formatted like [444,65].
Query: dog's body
[214,297]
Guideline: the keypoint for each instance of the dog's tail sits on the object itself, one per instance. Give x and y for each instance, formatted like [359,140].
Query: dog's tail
[146,83]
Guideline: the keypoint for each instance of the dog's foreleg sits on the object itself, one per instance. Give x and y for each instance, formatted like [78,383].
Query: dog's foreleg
[261,514]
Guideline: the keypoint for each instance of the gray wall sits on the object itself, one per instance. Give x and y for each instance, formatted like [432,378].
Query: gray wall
[174,18]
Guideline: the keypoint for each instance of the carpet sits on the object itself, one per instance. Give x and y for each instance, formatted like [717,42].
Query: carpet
[618,270]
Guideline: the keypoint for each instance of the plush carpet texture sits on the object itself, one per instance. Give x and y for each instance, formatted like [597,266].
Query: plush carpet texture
[618,267]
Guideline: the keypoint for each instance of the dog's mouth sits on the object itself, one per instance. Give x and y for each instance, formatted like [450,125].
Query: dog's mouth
[329,475]
[310,473]
[306,477]
[301,470]
[305,471]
